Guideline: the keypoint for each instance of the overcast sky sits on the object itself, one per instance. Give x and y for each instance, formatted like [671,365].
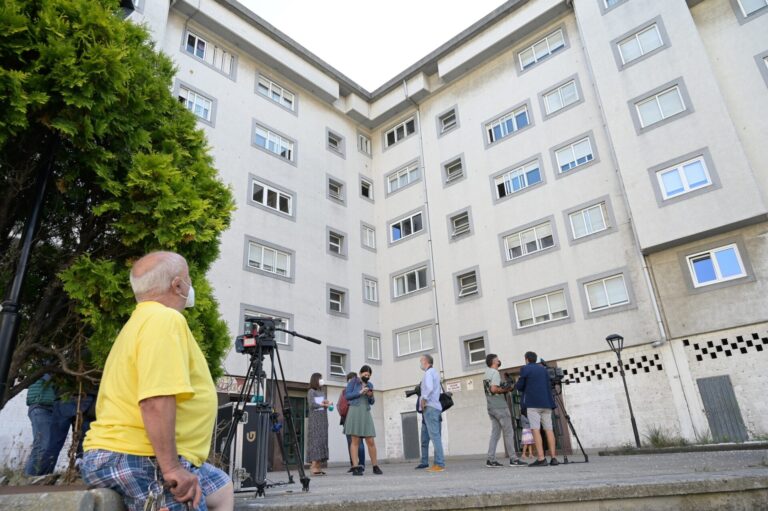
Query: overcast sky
[371,41]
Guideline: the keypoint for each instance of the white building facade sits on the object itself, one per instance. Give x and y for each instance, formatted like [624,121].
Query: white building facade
[559,171]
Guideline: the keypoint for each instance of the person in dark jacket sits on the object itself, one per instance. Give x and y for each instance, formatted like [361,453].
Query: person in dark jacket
[40,398]
[534,383]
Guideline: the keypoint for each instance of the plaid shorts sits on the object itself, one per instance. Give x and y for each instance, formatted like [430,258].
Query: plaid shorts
[131,475]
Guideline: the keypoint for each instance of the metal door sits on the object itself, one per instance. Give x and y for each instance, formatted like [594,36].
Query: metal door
[411,441]
[722,409]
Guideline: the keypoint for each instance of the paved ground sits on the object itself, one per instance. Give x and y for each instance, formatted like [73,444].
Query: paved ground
[402,487]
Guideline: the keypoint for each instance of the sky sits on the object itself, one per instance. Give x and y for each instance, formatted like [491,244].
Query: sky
[371,41]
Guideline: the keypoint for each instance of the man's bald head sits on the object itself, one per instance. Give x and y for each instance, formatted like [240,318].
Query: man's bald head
[152,275]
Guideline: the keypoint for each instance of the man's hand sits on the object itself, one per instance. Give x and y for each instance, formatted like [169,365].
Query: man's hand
[184,485]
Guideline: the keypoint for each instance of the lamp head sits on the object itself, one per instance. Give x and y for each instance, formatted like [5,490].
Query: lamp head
[616,342]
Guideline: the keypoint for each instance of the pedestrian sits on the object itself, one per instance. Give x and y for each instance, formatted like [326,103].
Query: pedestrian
[40,398]
[527,437]
[157,404]
[64,421]
[342,405]
[317,427]
[536,387]
[499,413]
[359,422]
[430,407]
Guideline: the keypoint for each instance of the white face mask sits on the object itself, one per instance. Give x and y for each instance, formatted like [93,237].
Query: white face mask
[190,297]
[322,382]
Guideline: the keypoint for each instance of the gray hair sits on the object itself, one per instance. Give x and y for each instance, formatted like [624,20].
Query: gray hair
[152,274]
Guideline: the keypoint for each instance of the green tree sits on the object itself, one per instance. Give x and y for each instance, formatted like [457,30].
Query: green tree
[131,174]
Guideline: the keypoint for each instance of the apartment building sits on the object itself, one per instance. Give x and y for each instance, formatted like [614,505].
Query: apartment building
[559,171]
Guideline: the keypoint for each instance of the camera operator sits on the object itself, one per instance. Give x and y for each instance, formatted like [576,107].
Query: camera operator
[430,408]
[534,383]
[499,413]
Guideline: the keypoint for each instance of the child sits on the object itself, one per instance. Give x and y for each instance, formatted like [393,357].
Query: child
[527,439]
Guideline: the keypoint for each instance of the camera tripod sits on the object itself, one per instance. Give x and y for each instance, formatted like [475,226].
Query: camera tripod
[262,344]
[557,392]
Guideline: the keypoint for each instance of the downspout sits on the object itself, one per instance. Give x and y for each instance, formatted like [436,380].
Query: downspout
[428,225]
[650,282]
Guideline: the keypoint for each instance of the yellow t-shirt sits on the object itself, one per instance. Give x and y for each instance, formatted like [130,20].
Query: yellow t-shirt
[155,354]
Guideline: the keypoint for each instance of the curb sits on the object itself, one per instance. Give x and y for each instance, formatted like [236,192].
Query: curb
[752,446]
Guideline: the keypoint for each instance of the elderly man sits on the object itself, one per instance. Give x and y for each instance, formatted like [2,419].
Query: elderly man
[430,408]
[156,407]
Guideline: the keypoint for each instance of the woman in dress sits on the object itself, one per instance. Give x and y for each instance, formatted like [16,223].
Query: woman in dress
[317,452]
[359,422]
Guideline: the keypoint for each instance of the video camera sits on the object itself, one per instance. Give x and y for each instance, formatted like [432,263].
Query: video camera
[556,374]
[508,383]
[415,392]
[258,331]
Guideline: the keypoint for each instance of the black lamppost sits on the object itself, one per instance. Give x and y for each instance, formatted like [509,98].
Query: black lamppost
[616,343]
[9,309]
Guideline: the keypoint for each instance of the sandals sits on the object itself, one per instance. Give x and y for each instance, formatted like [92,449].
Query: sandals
[321,473]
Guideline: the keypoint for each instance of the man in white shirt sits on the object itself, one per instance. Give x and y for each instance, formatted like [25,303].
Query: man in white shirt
[430,407]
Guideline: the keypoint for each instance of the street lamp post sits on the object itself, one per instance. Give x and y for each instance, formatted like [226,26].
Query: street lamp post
[616,343]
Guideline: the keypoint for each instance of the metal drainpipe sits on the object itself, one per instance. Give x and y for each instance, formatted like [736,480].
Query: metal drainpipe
[647,273]
[438,337]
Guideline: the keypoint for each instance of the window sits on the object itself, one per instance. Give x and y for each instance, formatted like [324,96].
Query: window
[460,224]
[269,259]
[684,178]
[507,124]
[718,265]
[335,190]
[517,179]
[363,144]
[403,177]
[448,121]
[335,142]
[336,300]
[406,227]
[574,155]
[661,106]
[589,221]
[475,350]
[467,284]
[453,170]
[196,103]
[272,142]
[335,243]
[606,293]
[370,290]
[366,189]
[280,322]
[373,346]
[749,7]
[610,3]
[529,241]
[368,236]
[541,309]
[276,93]
[196,45]
[639,44]
[338,364]
[414,341]
[399,132]
[410,282]
[271,197]
[541,49]
[561,97]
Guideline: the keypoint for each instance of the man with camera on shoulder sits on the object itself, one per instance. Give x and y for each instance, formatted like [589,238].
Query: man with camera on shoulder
[499,413]
[536,386]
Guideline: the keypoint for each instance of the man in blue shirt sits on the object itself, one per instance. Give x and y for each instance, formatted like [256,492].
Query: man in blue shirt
[535,385]
[430,407]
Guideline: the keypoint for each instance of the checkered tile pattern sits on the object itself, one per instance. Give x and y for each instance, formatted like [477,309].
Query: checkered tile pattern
[639,364]
[725,347]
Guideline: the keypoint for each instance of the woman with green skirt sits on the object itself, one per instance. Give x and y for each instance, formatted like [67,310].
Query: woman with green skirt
[359,422]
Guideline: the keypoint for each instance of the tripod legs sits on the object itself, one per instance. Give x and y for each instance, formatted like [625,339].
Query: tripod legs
[561,405]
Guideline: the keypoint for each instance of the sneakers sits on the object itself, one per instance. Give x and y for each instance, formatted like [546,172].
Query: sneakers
[421,466]
[493,464]
[357,471]
[435,469]
[517,463]
[539,463]
[377,470]
[553,462]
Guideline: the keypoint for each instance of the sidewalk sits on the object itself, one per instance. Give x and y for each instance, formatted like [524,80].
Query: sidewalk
[715,480]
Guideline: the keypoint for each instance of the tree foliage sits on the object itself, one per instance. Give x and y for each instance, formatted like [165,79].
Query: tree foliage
[132,174]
